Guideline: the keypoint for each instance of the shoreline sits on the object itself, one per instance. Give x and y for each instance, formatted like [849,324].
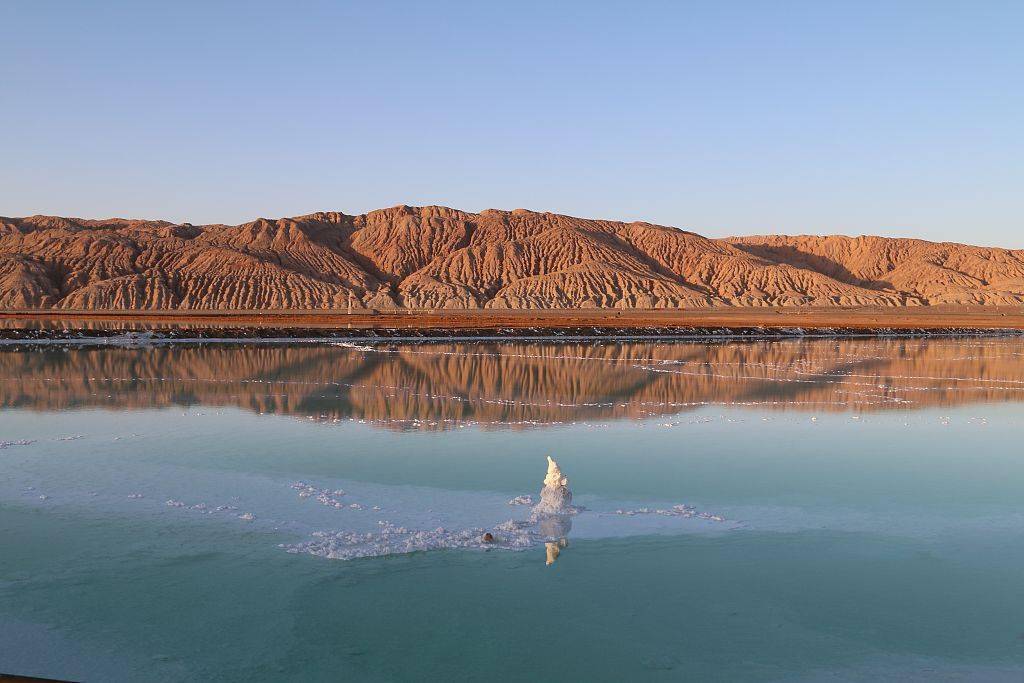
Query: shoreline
[156,327]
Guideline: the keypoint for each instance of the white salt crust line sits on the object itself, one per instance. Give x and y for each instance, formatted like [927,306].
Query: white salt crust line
[829,375]
[631,361]
[839,381]
[465,399]
[983,421]
[513,402]
[643,404]
[837,377]
[17,442]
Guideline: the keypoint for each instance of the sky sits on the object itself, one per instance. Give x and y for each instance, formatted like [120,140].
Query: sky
[727,118]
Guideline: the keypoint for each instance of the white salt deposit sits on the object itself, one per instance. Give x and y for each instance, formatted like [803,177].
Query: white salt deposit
[682,510]
[549,524]
[19,442]
[416,518]
[391,540]
[325,497]
[555,497]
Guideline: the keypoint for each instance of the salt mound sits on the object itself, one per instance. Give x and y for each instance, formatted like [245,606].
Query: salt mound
[555,497]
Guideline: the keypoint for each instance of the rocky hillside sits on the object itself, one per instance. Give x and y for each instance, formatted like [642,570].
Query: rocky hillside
[436,257]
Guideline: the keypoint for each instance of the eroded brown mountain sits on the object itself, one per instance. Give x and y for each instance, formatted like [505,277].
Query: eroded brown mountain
[436,257]
[442,386]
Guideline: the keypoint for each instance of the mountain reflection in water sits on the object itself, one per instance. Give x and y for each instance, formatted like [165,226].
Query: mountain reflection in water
[441,386]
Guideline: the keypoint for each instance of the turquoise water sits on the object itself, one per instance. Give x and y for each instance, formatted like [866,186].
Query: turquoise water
[868,492]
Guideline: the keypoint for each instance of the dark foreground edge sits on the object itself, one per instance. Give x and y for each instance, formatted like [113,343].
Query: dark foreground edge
[11,678]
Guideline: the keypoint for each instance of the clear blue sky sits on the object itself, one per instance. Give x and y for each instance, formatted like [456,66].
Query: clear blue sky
[898,118]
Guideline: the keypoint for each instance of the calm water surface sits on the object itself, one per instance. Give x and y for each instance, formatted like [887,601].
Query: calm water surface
[245,512]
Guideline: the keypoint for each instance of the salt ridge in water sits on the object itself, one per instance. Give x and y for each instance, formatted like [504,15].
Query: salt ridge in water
[686,511]
[550,523]
[19,442]
[391,540]
[326,497]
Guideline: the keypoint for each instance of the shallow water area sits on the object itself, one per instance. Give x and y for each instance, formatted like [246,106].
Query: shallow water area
[750,510]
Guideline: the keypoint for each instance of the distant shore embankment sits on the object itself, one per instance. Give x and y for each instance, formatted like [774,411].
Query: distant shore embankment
[741,323]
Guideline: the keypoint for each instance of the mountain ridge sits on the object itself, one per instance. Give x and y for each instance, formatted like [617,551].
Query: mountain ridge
[435,257]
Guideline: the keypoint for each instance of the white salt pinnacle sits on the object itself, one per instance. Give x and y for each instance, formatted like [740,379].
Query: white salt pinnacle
[555,497]
[554,476]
